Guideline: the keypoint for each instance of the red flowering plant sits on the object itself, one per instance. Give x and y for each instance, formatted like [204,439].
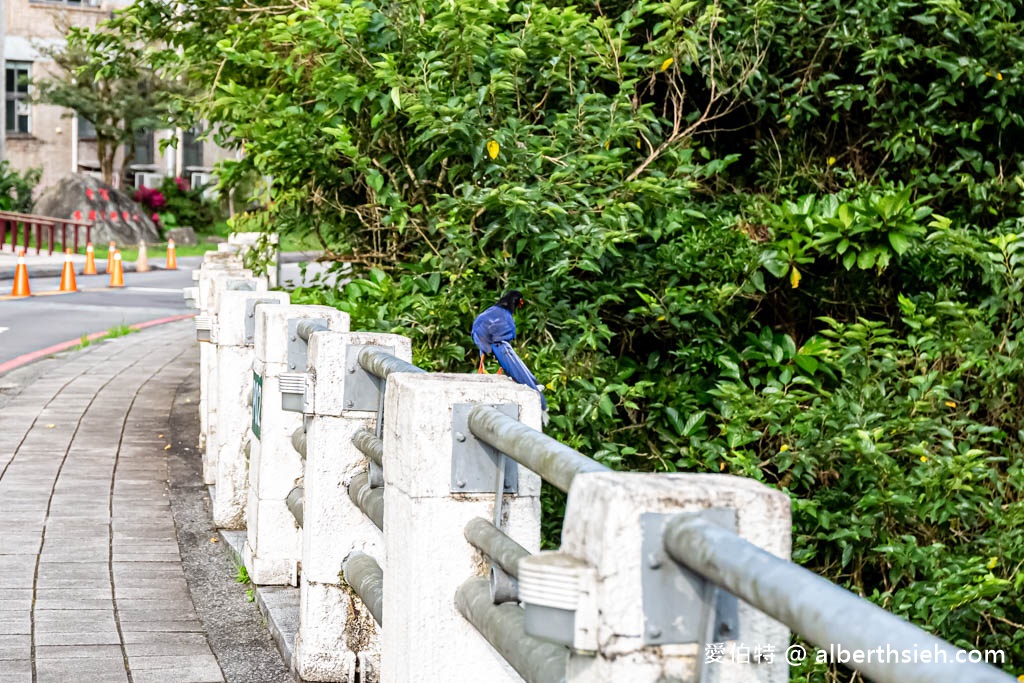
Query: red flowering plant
[150,198]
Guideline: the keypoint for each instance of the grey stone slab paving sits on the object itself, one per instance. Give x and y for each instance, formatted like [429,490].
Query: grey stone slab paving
[91,580]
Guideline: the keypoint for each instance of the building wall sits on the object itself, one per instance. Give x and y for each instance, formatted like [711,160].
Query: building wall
[31,23]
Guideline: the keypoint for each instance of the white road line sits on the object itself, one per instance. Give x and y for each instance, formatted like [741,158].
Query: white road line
[175,290]
[4,329]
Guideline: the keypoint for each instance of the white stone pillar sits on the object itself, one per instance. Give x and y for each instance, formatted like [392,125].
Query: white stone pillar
[604,528]
[425,639]
[213,262]
[272,546]
[235,328]
[334,628]
[211,289]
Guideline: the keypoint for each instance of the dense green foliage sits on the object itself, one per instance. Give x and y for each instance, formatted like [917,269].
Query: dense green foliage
[775,239]
[16,187]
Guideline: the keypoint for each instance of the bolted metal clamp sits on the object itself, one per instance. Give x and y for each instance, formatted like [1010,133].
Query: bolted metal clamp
[681,606]
[363,390]
[250,317]
[474,463]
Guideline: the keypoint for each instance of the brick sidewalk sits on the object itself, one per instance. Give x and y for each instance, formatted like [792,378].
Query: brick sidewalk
[91,580]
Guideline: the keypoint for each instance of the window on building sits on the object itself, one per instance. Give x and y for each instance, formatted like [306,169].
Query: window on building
[86,129]
[192,154]
[18,110]
[144,153]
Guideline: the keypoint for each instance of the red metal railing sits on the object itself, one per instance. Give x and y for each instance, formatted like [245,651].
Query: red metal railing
[11,222]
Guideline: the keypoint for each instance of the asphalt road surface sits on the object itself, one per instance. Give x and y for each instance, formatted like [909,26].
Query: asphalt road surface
[42,321]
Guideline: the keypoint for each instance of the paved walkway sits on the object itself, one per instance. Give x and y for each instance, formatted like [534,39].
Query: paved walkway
[91,580]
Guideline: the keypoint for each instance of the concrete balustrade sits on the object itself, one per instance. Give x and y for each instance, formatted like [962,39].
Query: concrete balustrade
[273,540]
[234,332]
[625,598]
[335,631]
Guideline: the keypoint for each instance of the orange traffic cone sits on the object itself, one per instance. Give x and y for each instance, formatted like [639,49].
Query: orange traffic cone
[111,248]
[172,258]
[21,287]
[90,260]
[67,275]
[117,272]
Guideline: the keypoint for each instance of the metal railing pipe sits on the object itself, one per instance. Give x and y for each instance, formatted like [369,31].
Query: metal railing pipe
[536,660]
[306,328]
[294,500]
[369,445]
[299,441]
[367,499]
[555,462]
[495,545]
[815,608]
[378,362]
[366,578]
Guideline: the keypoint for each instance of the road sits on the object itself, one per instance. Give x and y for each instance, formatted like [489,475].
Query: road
[28,325]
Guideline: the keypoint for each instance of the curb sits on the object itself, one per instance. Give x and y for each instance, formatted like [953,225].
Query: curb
[32,356]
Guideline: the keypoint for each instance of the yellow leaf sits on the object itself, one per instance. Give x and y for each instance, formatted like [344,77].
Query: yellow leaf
[214,540]
[159,436]
[493,148]
[992,562]
[951,404]
[794,277]
[721,466]
[167,447]
[999,77]
[50,426]
[666,64]
[783,448]
[831,161]
[608,144]
[638,144]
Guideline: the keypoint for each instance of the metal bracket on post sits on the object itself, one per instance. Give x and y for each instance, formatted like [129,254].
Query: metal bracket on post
[363,390]
[679,605]
[250,318]
[296,359]
[474,463]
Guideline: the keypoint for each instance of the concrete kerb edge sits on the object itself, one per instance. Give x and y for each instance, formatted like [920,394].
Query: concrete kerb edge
[33,356]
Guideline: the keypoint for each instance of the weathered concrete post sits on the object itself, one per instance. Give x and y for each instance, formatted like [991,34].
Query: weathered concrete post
[608,517]
[272,546]
[215,285]
[235,331]
[334,629]
[213,262]
[431,491]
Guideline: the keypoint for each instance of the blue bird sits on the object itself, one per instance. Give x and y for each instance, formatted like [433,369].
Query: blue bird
[493,330]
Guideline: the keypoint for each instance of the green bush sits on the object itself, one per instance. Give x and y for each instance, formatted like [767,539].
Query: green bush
[16,188]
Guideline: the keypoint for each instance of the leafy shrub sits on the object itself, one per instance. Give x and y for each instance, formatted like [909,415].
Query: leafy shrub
[16,187]
[186,206]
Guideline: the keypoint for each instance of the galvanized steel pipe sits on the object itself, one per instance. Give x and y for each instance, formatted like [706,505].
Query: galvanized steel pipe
[366,578]
[294,500]
[299,441]
[369,445]
[367,499]
[306,328]
[536,660]
[495,545]
[379,362]
[823,613]
[555,462]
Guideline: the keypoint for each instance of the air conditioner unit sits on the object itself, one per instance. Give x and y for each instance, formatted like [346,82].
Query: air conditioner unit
[151,180]
[207,181]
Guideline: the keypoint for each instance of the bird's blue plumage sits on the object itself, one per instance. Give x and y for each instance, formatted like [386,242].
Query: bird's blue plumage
[492,331]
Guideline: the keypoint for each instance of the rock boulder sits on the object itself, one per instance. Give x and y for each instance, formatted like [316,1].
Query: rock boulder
[115,215]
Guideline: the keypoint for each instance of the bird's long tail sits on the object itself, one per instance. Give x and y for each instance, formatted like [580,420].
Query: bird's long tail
[510,361]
